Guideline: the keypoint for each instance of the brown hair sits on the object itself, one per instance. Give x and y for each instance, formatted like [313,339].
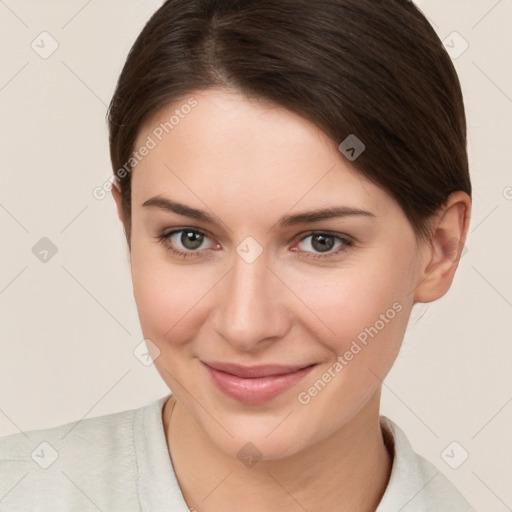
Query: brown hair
[373,68]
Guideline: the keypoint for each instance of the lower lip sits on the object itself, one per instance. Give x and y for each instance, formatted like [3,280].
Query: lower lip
[257,390]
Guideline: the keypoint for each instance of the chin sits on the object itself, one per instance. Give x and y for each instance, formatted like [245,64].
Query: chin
[255,441]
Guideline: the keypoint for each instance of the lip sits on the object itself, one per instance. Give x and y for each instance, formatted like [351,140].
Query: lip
[255,384]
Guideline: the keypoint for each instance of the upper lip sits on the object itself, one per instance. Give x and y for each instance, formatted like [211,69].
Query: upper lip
[248,372]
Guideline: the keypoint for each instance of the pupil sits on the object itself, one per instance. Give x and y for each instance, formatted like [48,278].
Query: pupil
[322,246]
[191,240]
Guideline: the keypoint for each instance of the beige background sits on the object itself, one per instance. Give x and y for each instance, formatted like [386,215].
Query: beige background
[69,325]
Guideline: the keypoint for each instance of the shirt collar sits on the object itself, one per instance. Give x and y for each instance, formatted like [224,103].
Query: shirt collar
[414,483]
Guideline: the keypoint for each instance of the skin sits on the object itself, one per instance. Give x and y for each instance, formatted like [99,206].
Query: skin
[248,163]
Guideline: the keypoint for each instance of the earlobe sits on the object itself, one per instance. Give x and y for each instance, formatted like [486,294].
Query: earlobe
[443,252]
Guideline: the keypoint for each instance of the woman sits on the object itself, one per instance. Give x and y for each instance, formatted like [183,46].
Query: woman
[292,177]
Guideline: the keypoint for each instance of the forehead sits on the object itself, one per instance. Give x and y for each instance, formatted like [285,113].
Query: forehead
[244,151]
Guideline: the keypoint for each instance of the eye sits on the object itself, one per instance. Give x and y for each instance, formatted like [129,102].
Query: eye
[191,240]
[324,242]
[188,238]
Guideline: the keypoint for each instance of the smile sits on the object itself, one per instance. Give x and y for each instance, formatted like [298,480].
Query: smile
[255,384]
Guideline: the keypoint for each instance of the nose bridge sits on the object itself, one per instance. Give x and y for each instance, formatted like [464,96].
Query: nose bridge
[249,309]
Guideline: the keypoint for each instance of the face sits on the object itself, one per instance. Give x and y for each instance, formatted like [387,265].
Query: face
[266,320]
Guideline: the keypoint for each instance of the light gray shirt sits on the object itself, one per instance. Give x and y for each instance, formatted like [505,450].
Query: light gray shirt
[120,463]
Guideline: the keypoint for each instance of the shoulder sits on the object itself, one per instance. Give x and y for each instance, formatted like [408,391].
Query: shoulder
[86,437]
[415,483]
[71,464]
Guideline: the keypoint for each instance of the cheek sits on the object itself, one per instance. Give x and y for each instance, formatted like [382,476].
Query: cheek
[168,297]
[368,312]
[362,314]
[367,295]
[364,330]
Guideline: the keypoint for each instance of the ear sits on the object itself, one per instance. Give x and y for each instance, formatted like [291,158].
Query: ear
[116,194]
[442,253]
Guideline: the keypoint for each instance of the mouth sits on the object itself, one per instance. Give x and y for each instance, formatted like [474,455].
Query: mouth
[255,384]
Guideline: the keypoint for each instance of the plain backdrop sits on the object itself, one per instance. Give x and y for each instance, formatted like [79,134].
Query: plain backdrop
[69,324]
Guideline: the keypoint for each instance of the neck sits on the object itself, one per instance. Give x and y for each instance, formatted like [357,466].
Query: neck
[347,471]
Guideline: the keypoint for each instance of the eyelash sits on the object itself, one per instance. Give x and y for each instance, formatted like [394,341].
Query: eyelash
[164,237]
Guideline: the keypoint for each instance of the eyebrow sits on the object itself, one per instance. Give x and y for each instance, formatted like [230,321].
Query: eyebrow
[287,220]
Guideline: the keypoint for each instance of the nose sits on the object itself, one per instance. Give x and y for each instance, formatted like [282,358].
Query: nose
[251,309]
